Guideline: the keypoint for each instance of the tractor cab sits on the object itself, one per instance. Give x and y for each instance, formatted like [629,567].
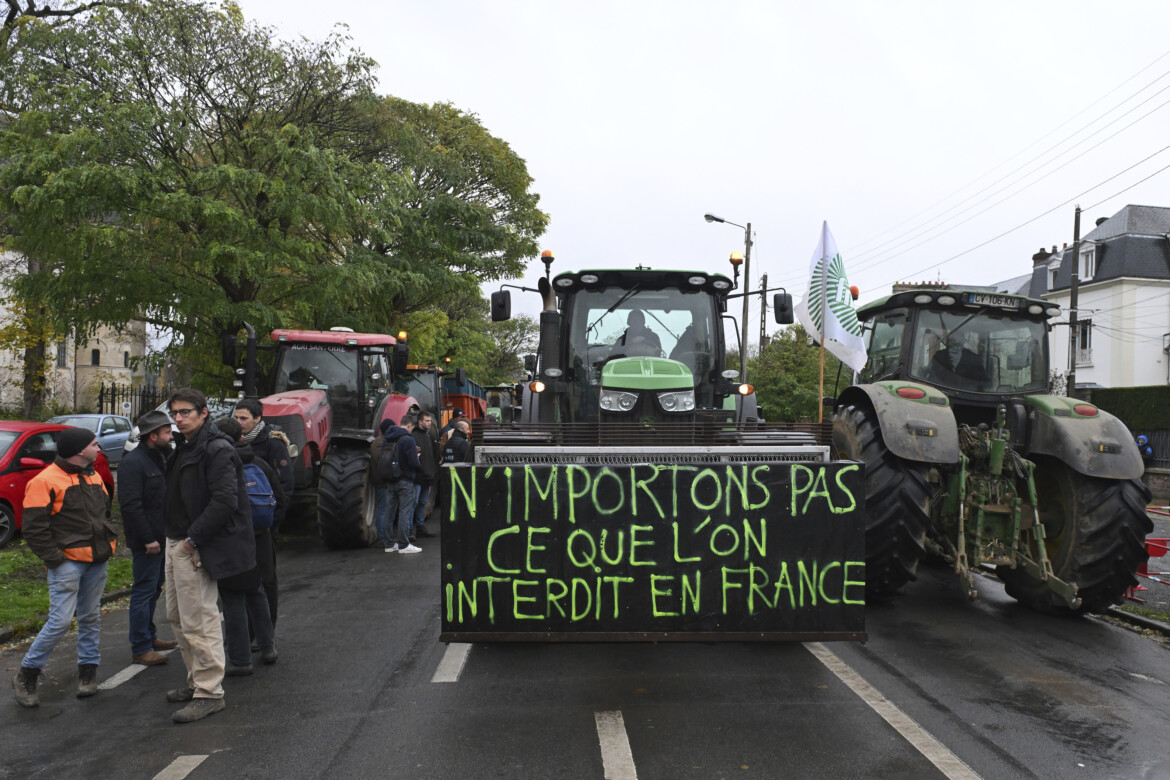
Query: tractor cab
[976,347]
[354,369]
[639,344]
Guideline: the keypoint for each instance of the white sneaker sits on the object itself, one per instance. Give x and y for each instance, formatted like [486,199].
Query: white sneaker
[392,548]
[409,549]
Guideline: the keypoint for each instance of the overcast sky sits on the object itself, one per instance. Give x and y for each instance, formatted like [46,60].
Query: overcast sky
[919,130]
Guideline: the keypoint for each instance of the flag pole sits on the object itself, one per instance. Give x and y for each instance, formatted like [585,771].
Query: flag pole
[824,319]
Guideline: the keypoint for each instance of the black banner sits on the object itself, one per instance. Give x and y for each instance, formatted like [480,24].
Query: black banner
[653,552]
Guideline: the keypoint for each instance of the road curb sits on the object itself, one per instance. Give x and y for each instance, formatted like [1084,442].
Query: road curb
[6,633]
[1140,620]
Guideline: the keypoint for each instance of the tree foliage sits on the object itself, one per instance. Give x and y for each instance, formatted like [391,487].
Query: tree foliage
[785,374]
[177,163]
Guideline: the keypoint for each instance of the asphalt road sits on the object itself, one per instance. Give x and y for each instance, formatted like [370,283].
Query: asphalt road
[943,688]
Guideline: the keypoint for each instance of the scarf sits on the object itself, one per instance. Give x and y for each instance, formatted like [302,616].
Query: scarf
[248,438]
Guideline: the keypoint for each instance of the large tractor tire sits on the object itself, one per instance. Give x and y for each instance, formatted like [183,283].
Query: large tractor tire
[897,503]
[345,501]
[1095,533]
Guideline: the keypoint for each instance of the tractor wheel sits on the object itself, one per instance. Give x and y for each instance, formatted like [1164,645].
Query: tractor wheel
[1095,532]
[345,503]
[897,503]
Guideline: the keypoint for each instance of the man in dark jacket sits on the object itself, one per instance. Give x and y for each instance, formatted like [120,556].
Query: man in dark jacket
[142,491]
[401,495]
[66,525]
[209,537]
[458,444]
[428,455]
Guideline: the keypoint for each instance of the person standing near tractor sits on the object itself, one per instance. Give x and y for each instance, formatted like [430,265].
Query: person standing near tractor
[400,484]
[428,454]
[209,537]
[142,494]
[458,444]
[66,525]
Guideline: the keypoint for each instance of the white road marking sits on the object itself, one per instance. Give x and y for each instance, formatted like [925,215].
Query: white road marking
[946,761]
[452,664]
[616,758]
[126,674]
[180,767]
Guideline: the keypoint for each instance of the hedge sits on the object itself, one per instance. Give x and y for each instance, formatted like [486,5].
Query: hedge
[1140,408]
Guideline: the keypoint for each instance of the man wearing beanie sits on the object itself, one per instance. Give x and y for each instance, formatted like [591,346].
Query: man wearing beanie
[66,524]
[209,537]
[142,491]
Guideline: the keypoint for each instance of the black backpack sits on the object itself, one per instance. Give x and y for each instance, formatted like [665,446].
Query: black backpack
[387,467]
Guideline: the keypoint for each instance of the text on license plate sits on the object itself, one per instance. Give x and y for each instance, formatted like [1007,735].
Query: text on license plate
[983,299]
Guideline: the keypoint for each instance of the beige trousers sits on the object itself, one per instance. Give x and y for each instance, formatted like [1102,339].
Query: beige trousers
[194,615]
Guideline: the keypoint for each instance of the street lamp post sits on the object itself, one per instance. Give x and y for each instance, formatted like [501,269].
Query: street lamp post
[747,264]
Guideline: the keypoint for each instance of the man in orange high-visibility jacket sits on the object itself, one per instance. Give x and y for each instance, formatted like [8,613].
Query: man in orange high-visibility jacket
[67,525]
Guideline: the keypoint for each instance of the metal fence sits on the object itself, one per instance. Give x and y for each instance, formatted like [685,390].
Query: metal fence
[130,401]
[1160,441]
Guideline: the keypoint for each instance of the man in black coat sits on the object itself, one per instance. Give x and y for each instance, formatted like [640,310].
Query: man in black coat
[209,537]
[267,443]
[142,492]
[424,481]
[458,444]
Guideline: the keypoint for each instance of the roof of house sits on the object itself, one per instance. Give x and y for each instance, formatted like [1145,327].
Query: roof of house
[1134,242]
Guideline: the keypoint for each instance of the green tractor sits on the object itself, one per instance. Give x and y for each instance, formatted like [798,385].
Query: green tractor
[970,459]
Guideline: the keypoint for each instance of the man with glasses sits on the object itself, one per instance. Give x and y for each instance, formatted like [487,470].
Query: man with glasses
[209,537]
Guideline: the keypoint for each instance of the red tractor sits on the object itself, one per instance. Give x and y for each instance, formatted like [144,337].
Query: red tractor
[328,392]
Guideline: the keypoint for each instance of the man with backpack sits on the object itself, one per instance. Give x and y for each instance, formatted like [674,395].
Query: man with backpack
[243,594]
[396,464]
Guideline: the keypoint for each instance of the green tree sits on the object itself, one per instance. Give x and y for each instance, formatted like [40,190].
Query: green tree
[179,164]
[785,374]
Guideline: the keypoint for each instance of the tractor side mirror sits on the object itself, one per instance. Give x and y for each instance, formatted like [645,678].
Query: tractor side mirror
[461,375]
[530,364]
[501,306]
[228,350]
[782,305]
[399,358]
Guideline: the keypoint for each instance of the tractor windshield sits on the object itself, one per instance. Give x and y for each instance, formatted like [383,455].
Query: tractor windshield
[635,322]
[983,351]
[324,367]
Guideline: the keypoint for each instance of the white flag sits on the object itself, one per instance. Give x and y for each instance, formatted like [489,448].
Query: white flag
[828,293]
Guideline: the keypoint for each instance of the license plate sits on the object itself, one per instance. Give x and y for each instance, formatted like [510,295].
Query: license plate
[1003,301]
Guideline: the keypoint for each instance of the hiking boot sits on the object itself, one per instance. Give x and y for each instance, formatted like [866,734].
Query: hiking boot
[237,671]
[198,709]
[149,658]
[269,656]
[181,694]
[25,685]
[86,680]
[164,644]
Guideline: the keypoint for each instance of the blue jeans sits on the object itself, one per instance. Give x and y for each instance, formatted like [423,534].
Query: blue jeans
[149,576]
[73,587]
[421,494]
[396,500]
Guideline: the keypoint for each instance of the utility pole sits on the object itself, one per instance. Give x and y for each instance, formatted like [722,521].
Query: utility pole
[747,283]
[763,311]
[1072,305]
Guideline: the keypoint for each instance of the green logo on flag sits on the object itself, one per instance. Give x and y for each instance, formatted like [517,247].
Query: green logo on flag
[833,287]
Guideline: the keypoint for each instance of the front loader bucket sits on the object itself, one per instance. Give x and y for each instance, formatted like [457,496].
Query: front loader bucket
[743,551]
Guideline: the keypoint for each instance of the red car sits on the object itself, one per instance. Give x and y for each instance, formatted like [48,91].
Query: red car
[25,449]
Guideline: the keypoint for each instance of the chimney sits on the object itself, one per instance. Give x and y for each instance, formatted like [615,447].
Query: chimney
[1041,256]
[1065,245]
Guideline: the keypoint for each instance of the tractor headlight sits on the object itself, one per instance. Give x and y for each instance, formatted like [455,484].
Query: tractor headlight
[677,401]
[618,401]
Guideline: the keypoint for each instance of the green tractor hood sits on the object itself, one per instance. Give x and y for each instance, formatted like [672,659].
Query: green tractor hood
[646,373]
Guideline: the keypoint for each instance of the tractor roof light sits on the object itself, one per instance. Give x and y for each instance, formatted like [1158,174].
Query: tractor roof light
[1035,308]
[402,335]
[589,279]
[351,342]
[565,281]
[555,373]
[946,300]
[1085,410]
[721,284]
[922,298]
[537,386]
[736,259]
[697,281]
